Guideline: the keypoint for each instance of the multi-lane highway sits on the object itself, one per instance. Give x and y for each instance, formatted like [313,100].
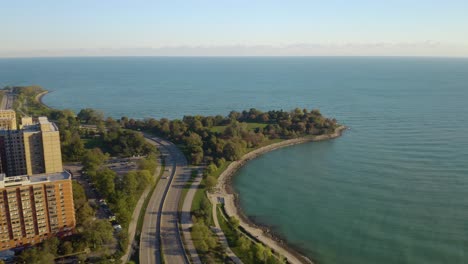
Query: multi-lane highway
[160,231]
[7,101]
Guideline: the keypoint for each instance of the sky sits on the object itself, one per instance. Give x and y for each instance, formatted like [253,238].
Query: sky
[233,28]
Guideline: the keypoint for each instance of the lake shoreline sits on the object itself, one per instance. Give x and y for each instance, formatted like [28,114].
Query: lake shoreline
[40,97]
[292,253]
[225,189]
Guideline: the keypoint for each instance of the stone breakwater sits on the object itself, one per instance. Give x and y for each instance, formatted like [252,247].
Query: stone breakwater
[225,191]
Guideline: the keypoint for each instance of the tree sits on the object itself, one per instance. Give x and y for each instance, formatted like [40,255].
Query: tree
[144,178]
[204,212]
[66,248]
[36,256]
[98,233]
[51,245]
[106,182]
[234,222]
[93,159]
[232,151]
[204,236]
[211,169]
[210,182]
[130,183]
[149,163]
[73,149]
[243,243]
[83,211]
[259,250]
[194,145]
[91,116]
[122,206]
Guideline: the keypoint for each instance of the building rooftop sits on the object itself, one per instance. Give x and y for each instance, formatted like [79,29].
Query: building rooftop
[41,124]
[35,179]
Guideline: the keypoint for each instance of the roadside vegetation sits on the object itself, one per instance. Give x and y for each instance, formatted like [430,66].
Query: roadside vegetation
[246,248]
[205,240]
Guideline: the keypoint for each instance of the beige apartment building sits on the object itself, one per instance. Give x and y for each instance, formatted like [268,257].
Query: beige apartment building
[7,119]
[33,149]
[36,198]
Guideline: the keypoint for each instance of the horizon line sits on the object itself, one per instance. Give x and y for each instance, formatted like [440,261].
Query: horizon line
[236,56]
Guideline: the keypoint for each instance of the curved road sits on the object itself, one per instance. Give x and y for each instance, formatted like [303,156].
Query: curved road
[160,229]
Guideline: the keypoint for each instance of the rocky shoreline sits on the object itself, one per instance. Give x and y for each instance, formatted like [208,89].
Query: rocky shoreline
[225,190]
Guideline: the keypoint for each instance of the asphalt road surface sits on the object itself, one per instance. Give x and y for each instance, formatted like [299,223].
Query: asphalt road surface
[7,101]
[160,230]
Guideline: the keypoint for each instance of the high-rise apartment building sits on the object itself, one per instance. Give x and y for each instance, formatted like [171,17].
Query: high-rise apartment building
[33,149]
[34,208]
[36,198]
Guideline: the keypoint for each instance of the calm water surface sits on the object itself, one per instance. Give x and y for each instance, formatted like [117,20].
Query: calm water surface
[393,189]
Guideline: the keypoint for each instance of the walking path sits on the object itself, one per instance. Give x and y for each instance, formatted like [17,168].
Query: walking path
[217,229]
[186,219]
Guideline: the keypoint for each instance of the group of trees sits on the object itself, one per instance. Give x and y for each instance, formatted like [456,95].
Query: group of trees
[205,144]
[46,252]
[106,134]
[121,192]
[248,250]
[205,240]
[88,125]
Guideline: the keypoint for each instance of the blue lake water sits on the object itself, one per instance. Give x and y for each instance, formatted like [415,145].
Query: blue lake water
[393,189]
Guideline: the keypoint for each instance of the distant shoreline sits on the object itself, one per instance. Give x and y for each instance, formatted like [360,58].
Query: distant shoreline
[233,208]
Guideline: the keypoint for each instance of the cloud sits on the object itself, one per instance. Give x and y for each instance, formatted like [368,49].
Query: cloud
[426,48]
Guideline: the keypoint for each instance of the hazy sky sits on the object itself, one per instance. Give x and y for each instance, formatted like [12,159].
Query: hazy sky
[237,27]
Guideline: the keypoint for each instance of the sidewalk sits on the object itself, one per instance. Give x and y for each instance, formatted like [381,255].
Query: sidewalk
[219,232]
[186,220]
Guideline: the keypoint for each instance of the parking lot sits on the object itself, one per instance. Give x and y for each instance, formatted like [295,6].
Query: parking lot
[121,166]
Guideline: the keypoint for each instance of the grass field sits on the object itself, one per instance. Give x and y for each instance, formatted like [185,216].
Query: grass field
[136,255]
[187,187]
[220,169]
[250,126]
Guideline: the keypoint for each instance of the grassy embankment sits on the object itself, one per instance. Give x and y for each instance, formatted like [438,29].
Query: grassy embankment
[201,209]
[250,126]
[246,247]
[136,254]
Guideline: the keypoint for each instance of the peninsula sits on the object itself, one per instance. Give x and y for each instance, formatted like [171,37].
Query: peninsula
[215,146]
